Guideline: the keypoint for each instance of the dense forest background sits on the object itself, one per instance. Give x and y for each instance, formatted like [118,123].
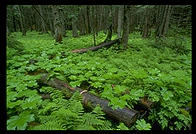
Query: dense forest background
[141,56]
[83,20]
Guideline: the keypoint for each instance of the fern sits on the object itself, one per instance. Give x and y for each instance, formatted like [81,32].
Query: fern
[67,118]
[50,125]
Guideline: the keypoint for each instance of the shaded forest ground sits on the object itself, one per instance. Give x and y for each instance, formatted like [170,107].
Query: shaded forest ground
[161,71]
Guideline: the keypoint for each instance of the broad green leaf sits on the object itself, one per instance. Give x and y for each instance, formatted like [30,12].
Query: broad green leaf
[20,122]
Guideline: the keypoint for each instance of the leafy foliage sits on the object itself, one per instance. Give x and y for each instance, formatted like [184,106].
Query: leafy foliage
[142,125]
[122,77]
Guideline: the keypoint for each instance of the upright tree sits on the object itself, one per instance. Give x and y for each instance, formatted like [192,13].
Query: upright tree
[109,26]
[120,20]
[164,17]
[57,24]
[125,34]
[62,20]
[50,19]
[43,22]
[22,21]
[145,31]
[87,20]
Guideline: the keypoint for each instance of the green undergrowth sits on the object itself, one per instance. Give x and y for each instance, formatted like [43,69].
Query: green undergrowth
[162,74]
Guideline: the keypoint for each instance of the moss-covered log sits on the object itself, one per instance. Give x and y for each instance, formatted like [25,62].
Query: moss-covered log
[126,115]
[103,44]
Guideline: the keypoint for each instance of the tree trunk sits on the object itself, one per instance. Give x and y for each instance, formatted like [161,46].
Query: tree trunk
[146,25]
[50,20]
[87,21]
[62,22]
[162,25]
[109,24]
[57,24]
[74,28]
[94,24]
[115,20]
[132,25]
[120,13]
[125,35]
[43,24]
[20,7]
[14,23]
[81,22]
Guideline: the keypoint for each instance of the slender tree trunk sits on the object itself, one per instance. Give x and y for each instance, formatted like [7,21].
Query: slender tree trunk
[109,29]
[19,25]
[62,22]
[42,20]
[74,28]
[50,20]
[120,13]
[125,35]
[94,24]
[162,26]
[87,22]
[22,20]
[132,25]
[57,24]
[167,18]
[100,18]
[14,22]
[81,22]
[115,24]
[106,19]
[146,28]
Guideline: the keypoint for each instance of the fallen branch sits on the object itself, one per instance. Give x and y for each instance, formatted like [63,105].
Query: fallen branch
[103,44]
[126,115]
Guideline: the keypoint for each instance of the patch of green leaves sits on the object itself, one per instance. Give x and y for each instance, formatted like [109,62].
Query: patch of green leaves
[20,122]
[142,125]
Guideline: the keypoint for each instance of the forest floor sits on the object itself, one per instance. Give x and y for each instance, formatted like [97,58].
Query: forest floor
[161,71]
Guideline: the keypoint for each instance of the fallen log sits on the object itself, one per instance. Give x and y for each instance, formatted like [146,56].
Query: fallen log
[103,44]
[146,103]
[125,115]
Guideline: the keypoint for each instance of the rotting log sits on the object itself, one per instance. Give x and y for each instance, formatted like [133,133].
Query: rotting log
[103,44]
[125,115]
[146,103]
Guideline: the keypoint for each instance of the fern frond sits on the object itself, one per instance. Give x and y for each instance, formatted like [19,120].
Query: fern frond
[66,118]
[51,125]
[76,107]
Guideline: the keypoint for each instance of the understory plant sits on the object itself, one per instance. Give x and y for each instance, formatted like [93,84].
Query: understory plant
[121,76]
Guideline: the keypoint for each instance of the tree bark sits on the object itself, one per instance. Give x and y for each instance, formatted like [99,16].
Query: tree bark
[125,35]
[109,28]
[81,22]
[162,25]
[20,7]
[43,24]
[126,115]
[57,24]
[14,21]
[74,28]
[62,20]
[87,21]
[94,24]
[49,16]
[120,13]
[146,25]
